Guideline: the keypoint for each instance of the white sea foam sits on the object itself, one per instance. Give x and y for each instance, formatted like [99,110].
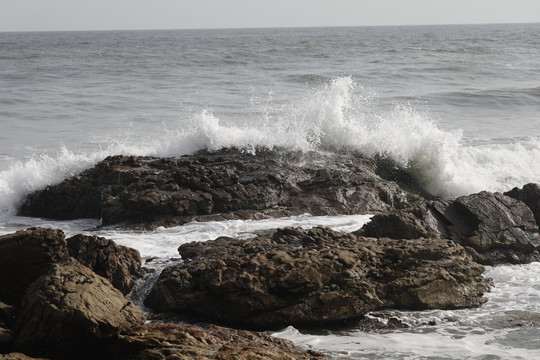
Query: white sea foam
[336,116]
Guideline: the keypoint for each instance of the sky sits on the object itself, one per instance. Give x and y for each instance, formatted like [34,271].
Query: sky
[52,15]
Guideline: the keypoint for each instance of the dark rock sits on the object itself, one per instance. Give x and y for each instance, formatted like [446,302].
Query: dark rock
[118,264]
[227,184]
[25,256]
[493,228]
[311,277]
[183,341]
[530,195]
[7,314]
[69,312]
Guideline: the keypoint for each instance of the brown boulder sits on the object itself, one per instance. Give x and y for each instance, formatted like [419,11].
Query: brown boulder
[227,184]
[493,228]
[70,311]
[26,255]
[315,276]
[184,341]
[118,264]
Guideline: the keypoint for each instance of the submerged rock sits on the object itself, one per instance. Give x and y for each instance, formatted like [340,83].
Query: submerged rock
[70,312]
[227,184]
[183,341]
[493,228]
[118,264]
[311,277]
[26,255]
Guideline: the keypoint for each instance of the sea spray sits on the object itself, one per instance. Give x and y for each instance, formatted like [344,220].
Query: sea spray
[337,116]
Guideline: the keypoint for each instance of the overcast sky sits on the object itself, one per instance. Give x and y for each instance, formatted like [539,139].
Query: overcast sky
[45,15]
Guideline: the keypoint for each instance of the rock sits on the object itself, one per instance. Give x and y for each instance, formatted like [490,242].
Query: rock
[118,264]
[227,184]
[183,341]
[313,277]
[7,314]
[6,339]
[493,228]
[530,195]
[18,356]
[25,256]
[70,311]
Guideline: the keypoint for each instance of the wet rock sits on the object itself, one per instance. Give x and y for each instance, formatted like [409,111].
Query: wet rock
[227,184]
[119,264]
[70,312]
[183,341]
[317,276]
[530,195]
[26,255]
[493,228]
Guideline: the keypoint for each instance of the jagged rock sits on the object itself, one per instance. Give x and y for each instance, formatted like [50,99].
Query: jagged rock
[69,312]
[530,195]
[183,341]
[227,184]
[26,255]
[493,228]
[119,264]
[315,276]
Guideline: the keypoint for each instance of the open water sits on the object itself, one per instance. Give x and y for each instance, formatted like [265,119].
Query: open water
[458,105]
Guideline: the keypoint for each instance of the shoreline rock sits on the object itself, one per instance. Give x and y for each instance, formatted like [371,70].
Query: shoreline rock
[70,312]
[228,184]
[316,276]
[492,227]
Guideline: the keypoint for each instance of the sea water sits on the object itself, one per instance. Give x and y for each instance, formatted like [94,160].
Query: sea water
[458,105]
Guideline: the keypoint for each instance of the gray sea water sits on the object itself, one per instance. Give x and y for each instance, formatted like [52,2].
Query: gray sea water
[459,105]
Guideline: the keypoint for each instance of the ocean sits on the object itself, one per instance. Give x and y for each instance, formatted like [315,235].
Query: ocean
[459,105]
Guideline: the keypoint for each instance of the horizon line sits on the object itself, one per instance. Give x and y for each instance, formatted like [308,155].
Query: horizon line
[267,27]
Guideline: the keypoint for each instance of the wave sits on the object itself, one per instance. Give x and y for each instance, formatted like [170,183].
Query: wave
[339,116]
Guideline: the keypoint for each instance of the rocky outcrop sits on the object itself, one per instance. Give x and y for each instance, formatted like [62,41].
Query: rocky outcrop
[25,256]
[119,264]
[70,312]
[530,195]
[227,184]
[493,228]
[315,276]
[186,342]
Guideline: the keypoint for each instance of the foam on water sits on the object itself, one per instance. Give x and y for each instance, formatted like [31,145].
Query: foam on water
[336,116]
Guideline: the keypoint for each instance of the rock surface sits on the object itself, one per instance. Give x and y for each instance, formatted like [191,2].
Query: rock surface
[227,184]
[530,195]
[25,256]
[493,228]
[118,264]
[18,356]
[174,341]
[70,311]
[315,276]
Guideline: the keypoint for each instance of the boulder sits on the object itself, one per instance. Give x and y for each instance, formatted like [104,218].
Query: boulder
[119,264]
[530,195]
[26,255]
[184,341]
[493,228]
[227,184]
[316,276]
[69,312]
